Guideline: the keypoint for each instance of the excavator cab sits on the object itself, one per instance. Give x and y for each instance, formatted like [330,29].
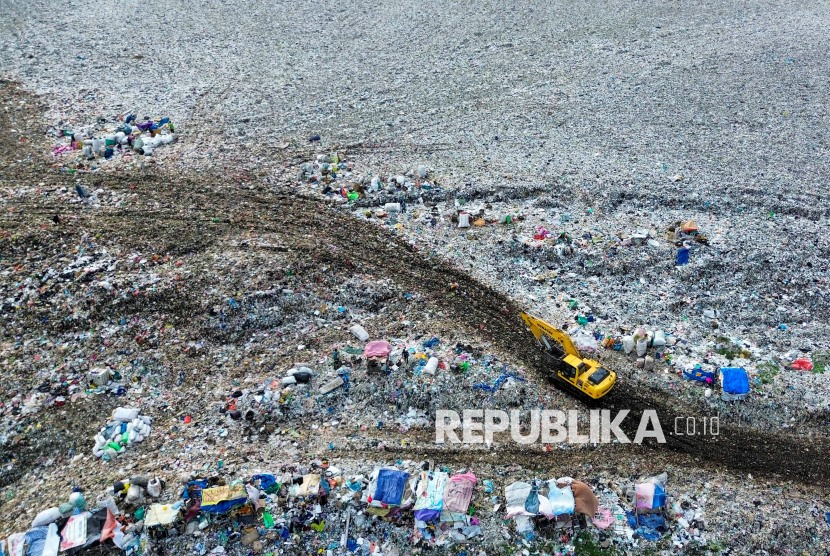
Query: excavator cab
[582,376]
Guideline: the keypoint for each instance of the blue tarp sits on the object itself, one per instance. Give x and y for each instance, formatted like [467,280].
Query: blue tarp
[683,256]
[699,375]
[659,499]
[648,526]
[201,484]
[390,486]
[735,380]
[266,482]
[224,506]
[498,383]
[36,541]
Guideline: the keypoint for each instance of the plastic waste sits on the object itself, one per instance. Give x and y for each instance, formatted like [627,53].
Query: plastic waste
[125,414]
[331,385]
[154,487]
[53,540]
[584,341]
[802,364]
[105,500]
[359,332]
[135,495]
[46,517]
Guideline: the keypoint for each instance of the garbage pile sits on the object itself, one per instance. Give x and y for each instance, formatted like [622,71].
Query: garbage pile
[322,506]
[125,428]
[265,512]
[559,501]
[125,138]
[332,175]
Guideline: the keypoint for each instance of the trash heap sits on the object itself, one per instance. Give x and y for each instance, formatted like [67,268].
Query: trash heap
[123,139]
[263,513]
[333,176]
[564,504]
[125,428]
[328,508]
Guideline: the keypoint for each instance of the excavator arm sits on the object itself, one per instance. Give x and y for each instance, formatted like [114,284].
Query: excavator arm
[543,330]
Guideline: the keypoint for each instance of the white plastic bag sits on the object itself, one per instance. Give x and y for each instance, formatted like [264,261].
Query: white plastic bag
[360,332]
[125,414]
[46,517]
[584,341]
[53,541]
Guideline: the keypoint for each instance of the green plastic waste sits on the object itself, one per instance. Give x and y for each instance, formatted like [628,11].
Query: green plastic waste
[268,520]
[582,321]
[139,514]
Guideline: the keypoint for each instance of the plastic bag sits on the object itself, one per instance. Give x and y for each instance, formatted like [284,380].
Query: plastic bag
[584,341]
[53,541]
[802,365]
[360,332]
[46,517]
[532,502]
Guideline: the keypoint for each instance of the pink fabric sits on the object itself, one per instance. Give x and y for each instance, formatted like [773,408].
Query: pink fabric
[605,520]
[377,348]
[459,492]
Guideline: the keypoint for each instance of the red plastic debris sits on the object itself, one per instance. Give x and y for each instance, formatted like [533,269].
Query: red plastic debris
[802,365]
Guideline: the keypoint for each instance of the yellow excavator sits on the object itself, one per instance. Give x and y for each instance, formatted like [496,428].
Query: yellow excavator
[582,376]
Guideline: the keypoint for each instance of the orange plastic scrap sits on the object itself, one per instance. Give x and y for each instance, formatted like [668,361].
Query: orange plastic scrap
[689,226]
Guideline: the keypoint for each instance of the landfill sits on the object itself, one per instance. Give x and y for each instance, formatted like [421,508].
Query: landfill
[248,252]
